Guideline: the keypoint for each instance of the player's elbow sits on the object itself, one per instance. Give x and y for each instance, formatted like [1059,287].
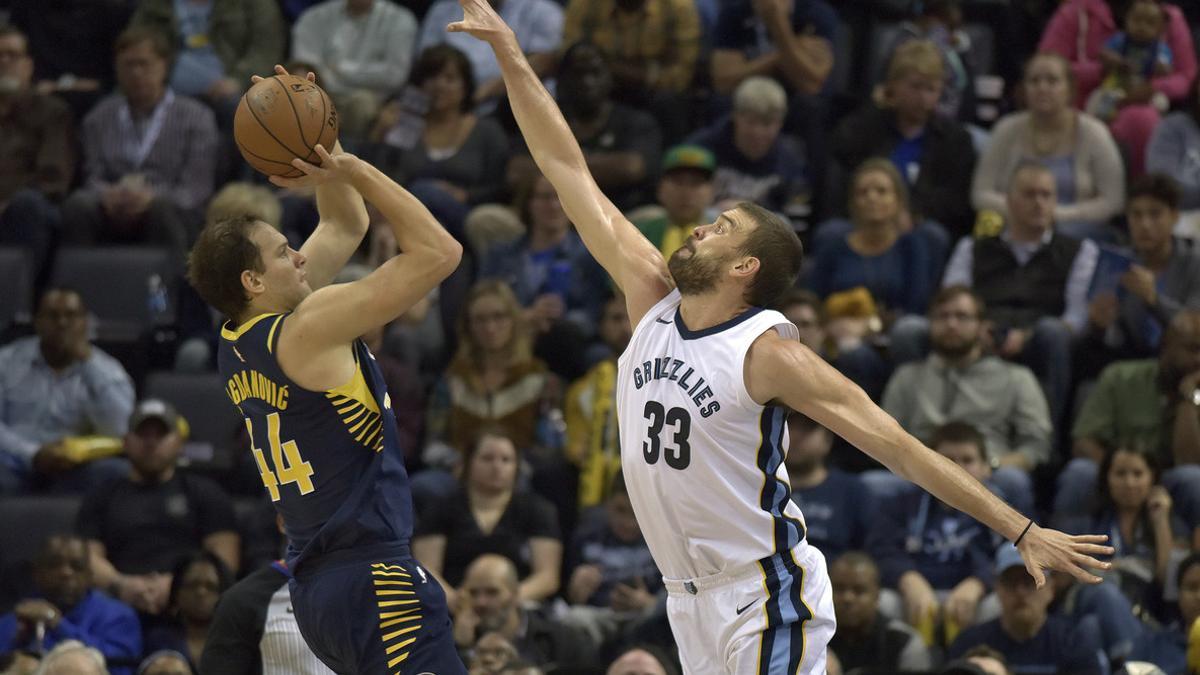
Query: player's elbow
[447,257]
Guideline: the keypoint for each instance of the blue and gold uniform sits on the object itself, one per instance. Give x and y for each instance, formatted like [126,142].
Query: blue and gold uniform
[332,465]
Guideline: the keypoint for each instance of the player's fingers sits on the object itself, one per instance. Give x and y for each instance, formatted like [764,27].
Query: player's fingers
[255,79]
[1090,538]
[1088,561]
[456,27]
[312,77]
[1035,571]
[322,153]
[280,70]
[1093,549]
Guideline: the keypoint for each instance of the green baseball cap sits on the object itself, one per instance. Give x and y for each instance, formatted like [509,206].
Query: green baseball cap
[693,157]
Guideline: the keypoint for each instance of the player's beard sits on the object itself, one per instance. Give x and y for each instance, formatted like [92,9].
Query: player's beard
[694,275]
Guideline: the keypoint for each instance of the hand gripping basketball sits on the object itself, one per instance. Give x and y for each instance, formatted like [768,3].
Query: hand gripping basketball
[281,118]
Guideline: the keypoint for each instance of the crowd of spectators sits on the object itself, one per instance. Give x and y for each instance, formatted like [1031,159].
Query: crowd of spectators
[1001,208]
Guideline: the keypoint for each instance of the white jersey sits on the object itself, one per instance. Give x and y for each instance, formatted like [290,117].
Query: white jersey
[702,461]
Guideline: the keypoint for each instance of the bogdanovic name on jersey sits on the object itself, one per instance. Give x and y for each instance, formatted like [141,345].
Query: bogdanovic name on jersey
[679,372]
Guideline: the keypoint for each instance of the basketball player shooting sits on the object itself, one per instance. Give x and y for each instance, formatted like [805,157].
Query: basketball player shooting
[318,415]
[702,393]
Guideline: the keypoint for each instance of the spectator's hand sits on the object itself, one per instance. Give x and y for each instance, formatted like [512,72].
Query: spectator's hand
[1158,505]
[1014,342]
[458,193]
[633,598]
[52,459]
[963,601]
[1138,94]
[920,600]
[584,582]
[1140,281]
[31,612]
[223,88]
[340,167]
[160,590]
[1102,311]
[544,311]
[1045,549]
[466,622]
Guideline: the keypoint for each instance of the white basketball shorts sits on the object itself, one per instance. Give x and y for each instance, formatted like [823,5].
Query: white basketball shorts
[772,617]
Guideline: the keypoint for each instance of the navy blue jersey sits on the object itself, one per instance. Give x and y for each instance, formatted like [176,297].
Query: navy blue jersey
[330,460]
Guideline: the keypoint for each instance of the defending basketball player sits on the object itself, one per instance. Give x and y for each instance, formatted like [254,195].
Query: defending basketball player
[702,392]
[318,414]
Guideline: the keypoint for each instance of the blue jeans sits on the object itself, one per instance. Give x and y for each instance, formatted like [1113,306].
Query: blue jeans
[30,221]
[1113,613]
[1078,481]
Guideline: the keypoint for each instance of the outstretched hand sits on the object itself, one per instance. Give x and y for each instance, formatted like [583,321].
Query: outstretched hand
[280,70]
[480,20]
[340,166]
[1044,549]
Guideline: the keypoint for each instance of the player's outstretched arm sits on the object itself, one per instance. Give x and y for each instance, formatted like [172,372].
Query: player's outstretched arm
[787,372]
[342,226]
[334,316]
[632,261]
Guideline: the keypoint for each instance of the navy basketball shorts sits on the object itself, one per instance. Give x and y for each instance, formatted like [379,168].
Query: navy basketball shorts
[367,616]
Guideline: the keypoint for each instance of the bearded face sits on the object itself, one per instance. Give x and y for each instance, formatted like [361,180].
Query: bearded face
[693,272]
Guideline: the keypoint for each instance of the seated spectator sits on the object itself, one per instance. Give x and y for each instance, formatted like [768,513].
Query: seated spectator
[254,629]
[64,606]
[1079,31]
[1129,313]
[488,514]
[939,22]
[1031,640]
[458,158]
[685,192]
[838,509]
[37,151]
[149,156]
[1033,280]
[652,46]
[138,527]
[1175,150]
[754,162]
[938,558]
[494,362]
[1075,147]
[1149,404]
[880,252]
[197,582]
[56,387]
[933,153]
[537,24]
[1135,510]
[72,657]
[1117,621]
[218,45]
[1167,648]
[642,660]
[1131,58]
[492,655]
[554,277]
[490,602]
[590,411]
[613,581]
[859,362]
[865,638]
[978,660]
[362,49]
[622,145]
[165,662]
[958,381]
[793,42]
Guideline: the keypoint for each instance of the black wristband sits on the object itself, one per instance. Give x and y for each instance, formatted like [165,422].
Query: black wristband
[1027,526]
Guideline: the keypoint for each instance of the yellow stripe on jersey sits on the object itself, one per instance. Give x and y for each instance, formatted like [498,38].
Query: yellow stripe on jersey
[232,334]
[271,335]
[358,410]
[392,633]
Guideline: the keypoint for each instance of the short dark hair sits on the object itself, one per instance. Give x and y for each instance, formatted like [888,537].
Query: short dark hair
[57,288]
[136,35]
[222,252]
[950,293]
[433,60]
[488,430]
[802,297]
[959,432]
[779,253]
[185,562]
[1157,186]
[7,29]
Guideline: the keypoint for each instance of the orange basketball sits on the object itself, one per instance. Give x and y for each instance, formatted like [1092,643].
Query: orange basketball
[283,117]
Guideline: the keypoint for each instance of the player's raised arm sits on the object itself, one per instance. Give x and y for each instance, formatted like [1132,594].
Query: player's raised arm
[335,315]
[787,372]
[634,263]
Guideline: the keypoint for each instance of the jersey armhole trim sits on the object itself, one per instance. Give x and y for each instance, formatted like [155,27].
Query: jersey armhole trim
[787,331]
[273,334]
[235,333]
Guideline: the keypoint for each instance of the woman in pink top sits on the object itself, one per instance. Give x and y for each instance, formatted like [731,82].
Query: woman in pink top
[1078,31]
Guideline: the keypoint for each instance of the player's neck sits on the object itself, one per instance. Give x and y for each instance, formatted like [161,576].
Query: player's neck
[700,312]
